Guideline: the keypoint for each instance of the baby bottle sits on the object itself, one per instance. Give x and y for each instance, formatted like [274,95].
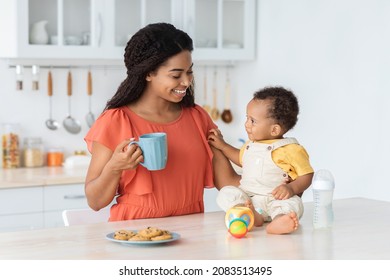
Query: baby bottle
[323,186]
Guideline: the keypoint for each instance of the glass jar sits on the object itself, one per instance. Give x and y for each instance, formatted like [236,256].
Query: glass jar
[10,145]
[55,157]
[33,152]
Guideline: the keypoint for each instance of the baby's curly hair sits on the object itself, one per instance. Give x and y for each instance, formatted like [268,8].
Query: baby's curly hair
[284,108]
[147,50]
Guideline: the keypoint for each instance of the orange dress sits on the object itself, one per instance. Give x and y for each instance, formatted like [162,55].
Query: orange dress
[175,190]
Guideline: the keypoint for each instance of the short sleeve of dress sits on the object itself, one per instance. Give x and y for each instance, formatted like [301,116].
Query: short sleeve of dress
[111,128]
[204,124]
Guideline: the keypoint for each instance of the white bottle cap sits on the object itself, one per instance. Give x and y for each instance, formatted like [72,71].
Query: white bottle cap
[323,180]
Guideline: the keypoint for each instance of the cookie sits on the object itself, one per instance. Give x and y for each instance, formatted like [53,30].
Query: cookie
[139,238]
[150,232]
[162,237]
[123,234]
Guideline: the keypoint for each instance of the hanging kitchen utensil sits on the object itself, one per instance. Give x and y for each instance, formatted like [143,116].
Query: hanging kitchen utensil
[90,118]
[19,69]
[71,125]
[214,111]
[226,115]
[50,123]
[205,105]
[35,77]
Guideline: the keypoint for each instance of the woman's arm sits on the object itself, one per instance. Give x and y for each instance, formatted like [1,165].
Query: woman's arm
[105,171]
[216,140]
[224,174]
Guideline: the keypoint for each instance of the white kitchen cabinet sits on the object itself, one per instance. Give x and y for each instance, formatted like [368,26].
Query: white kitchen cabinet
[222,30]
[76,29]
[21,208]
[38,207]
[99,29]
[61,197]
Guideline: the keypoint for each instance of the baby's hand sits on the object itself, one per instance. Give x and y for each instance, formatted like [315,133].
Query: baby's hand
[282,192]
[216,132]
[215,138]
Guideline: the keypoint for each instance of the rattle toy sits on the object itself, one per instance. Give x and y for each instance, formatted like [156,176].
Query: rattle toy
[239,220]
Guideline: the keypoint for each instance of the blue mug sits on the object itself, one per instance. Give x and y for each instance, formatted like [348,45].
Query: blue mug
[154,149]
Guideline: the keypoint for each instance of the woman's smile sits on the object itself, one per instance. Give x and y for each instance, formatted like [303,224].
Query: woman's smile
[180,93]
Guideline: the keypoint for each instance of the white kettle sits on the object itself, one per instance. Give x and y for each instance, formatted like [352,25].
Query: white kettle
[38,33]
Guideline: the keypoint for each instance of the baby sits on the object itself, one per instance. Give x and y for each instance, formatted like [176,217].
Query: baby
[275,170]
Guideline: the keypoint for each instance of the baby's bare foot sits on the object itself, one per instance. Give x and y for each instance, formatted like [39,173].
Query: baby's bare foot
[258,218]
[283,224]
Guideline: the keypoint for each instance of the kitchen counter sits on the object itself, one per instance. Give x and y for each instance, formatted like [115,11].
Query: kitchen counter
[41,176]
[361,231]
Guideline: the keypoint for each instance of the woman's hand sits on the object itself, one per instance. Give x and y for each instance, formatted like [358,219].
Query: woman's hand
[126,156]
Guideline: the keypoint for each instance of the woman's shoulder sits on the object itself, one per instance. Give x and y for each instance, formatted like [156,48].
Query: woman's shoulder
[114,113]
[198,111]
[115,116]
[201,117]
[110,128]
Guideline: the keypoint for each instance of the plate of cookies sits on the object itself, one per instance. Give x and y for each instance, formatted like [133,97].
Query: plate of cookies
[146,236]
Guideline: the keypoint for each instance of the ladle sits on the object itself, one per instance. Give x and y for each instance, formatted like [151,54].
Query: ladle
[226,115]
[50,123]
[71,125]
[90,118]
[214,111]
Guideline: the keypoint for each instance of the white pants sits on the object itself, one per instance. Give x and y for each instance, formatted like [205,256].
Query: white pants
[266,205]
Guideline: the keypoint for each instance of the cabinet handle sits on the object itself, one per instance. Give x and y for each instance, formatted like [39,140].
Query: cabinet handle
[76,196]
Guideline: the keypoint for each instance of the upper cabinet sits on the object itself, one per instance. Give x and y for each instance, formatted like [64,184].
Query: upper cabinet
[222,30]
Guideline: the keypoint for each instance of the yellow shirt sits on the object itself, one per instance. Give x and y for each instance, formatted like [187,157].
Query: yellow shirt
[292,158]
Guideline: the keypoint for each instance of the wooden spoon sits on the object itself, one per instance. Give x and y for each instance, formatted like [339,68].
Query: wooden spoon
[90,118]
[214,111]
[226,115]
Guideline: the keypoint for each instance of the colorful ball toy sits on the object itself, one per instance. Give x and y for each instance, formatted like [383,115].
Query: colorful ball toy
[238,228]
[239,220]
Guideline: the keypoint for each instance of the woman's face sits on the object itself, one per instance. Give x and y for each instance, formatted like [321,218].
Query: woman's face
[171,80]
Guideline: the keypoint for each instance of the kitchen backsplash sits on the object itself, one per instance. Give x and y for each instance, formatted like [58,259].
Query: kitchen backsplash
[25,104]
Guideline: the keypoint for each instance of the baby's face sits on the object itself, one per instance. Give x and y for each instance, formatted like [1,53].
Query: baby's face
[258,125]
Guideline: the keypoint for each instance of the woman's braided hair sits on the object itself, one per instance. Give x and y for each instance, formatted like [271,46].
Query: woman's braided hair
[145,52]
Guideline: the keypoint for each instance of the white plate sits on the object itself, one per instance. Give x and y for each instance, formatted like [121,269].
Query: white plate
[110,236]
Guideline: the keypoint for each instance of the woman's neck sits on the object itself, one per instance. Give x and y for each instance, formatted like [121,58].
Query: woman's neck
[159,111]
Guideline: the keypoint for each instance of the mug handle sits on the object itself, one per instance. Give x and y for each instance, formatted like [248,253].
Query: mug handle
[137,143]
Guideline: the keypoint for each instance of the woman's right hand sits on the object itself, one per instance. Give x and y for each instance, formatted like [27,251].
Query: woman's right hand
[126,156]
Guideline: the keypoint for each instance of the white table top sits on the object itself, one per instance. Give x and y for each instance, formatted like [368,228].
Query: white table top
[361,231]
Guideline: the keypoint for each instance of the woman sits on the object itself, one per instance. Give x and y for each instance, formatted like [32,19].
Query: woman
[156,96]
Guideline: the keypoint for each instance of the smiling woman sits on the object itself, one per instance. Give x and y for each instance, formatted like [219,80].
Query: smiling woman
[156,96]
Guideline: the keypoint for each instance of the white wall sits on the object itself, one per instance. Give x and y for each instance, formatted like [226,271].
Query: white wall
[332,54]
[335,56]
[31,108]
